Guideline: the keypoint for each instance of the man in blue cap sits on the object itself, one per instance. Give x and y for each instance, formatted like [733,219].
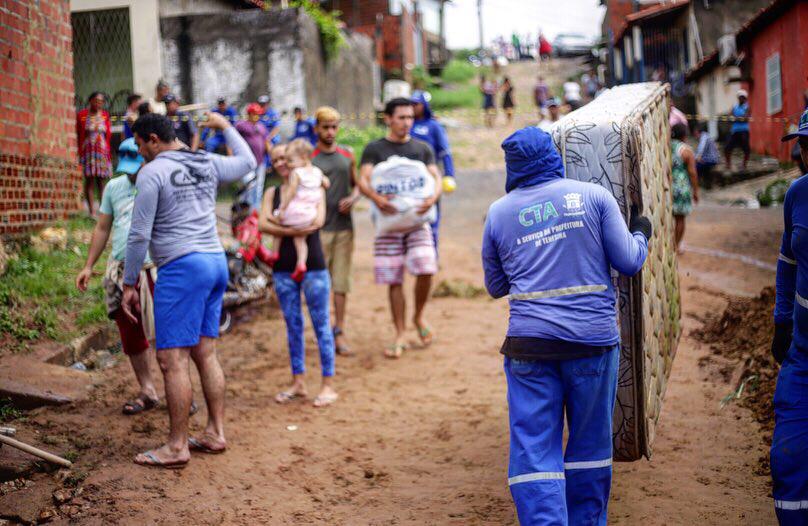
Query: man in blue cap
[427,128]
[789,454]
[214,139]
[548,245]
[115,217]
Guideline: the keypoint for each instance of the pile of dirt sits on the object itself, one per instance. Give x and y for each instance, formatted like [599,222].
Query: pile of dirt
[743,333]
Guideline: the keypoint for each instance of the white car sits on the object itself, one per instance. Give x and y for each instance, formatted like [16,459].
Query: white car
[572,45]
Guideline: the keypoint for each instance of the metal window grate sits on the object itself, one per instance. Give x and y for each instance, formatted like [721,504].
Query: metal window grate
[102,56]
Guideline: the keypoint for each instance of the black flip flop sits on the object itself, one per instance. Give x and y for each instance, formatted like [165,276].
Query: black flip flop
[196,445]
[138,405]
[342,350]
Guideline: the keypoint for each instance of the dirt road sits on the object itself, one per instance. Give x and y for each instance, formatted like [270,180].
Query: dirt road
[422,440]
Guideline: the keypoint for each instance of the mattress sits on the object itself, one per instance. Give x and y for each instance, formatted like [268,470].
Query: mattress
[621,141]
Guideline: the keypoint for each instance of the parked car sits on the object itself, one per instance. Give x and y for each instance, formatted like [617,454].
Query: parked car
[572,45]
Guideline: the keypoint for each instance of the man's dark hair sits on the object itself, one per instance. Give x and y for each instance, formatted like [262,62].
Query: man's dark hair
[679,131]
[154,123]
[298,109]
[143,108]
[132,98]
[95,94]
[392,104]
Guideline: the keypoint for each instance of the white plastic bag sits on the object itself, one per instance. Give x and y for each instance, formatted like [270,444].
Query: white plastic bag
[409,182]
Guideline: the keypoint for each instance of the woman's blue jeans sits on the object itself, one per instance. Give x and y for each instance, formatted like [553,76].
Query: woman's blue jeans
[316,287]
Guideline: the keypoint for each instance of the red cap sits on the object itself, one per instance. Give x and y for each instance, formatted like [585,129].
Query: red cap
[255,109]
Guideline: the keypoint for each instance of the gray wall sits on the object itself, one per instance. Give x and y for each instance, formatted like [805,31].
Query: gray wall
[243,54]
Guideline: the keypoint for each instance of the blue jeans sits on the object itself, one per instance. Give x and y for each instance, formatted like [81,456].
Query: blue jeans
[317,289]
[549,485]
[789,454]
[258,188]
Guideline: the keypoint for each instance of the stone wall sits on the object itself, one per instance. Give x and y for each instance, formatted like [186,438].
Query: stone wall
[241,55]
[39,177]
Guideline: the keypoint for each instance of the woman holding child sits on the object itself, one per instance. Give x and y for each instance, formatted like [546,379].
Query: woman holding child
[309,274]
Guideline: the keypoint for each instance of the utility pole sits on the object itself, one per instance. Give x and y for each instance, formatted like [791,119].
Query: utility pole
[480,22]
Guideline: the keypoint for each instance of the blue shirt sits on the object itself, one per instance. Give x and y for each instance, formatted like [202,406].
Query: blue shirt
[550,247]
[232,115]
[270,119]
[740,111]
[431,132]
[304,129]
[792,264]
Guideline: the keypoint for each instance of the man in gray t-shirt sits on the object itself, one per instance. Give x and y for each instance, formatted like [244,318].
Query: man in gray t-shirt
[174,217]
[337,235]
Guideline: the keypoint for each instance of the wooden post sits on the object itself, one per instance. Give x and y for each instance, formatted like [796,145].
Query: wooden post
[35,451]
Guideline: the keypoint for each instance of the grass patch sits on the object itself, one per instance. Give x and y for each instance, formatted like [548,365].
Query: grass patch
[467,96]
[459,71]
[7,411]
[455,288]
[358,138]
[38,296]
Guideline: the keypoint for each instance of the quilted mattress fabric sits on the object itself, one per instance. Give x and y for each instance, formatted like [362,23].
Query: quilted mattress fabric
[621,141]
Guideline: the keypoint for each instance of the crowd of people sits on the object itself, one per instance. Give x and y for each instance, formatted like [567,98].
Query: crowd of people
[167,272]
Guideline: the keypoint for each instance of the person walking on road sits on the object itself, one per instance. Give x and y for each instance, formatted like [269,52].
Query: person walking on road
[488,88]
[507,99]
[548,246]
[94,133]
[541,93]
[789,452]
[337,235]
[706,154]
[739,131]
[414,249]
[174,217]
[427,128]
[315,286]
[114,218]
[685,180]
[553,115]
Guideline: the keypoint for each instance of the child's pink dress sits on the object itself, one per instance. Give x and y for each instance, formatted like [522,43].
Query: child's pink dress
[302,209]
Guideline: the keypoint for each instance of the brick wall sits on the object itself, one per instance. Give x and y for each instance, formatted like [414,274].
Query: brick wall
[39,178]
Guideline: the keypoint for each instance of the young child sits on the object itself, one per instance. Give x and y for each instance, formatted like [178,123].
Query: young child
[299,201]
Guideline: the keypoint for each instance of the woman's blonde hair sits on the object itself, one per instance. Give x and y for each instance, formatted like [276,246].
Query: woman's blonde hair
[299,148]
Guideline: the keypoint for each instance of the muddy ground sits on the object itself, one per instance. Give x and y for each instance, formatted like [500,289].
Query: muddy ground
[422,440]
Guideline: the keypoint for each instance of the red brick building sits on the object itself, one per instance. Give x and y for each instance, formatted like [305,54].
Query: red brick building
[408,33]
[39,178]
[774,47]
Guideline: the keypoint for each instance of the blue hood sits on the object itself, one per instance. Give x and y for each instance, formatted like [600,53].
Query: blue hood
[419,97]
[531,158]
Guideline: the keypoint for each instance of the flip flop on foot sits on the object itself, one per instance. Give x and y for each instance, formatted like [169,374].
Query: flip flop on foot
[139,404]
[284,397]
[149,459]
[425,334]
[341,348]
[203,447]
[395,351]
[324,400]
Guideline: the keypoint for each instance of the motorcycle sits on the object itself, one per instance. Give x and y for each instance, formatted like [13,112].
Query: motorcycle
[250,276]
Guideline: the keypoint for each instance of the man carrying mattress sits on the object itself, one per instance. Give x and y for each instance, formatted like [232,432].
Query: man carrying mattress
[549,245]
[789,454]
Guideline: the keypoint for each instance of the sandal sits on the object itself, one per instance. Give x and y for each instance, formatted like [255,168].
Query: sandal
[284,397]
[342,350]
[139,404]
[197,445]
[152,461]
[395,351]
[425,334]
[325,400]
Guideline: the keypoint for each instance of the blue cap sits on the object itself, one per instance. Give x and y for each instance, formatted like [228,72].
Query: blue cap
[802,129]
[129,160]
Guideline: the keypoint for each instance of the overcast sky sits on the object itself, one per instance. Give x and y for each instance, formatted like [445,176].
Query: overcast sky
[502,17]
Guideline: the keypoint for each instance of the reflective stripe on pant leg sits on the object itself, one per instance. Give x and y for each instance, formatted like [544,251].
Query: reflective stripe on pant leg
[590,387]
[789,452]
[535,470]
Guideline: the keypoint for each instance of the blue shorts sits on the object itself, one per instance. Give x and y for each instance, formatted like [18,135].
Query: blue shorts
[188,299]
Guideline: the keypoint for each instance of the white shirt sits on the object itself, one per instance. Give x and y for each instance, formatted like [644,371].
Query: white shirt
[572,91]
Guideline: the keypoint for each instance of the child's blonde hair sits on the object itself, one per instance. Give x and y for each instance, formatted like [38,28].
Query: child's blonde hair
[300,148]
